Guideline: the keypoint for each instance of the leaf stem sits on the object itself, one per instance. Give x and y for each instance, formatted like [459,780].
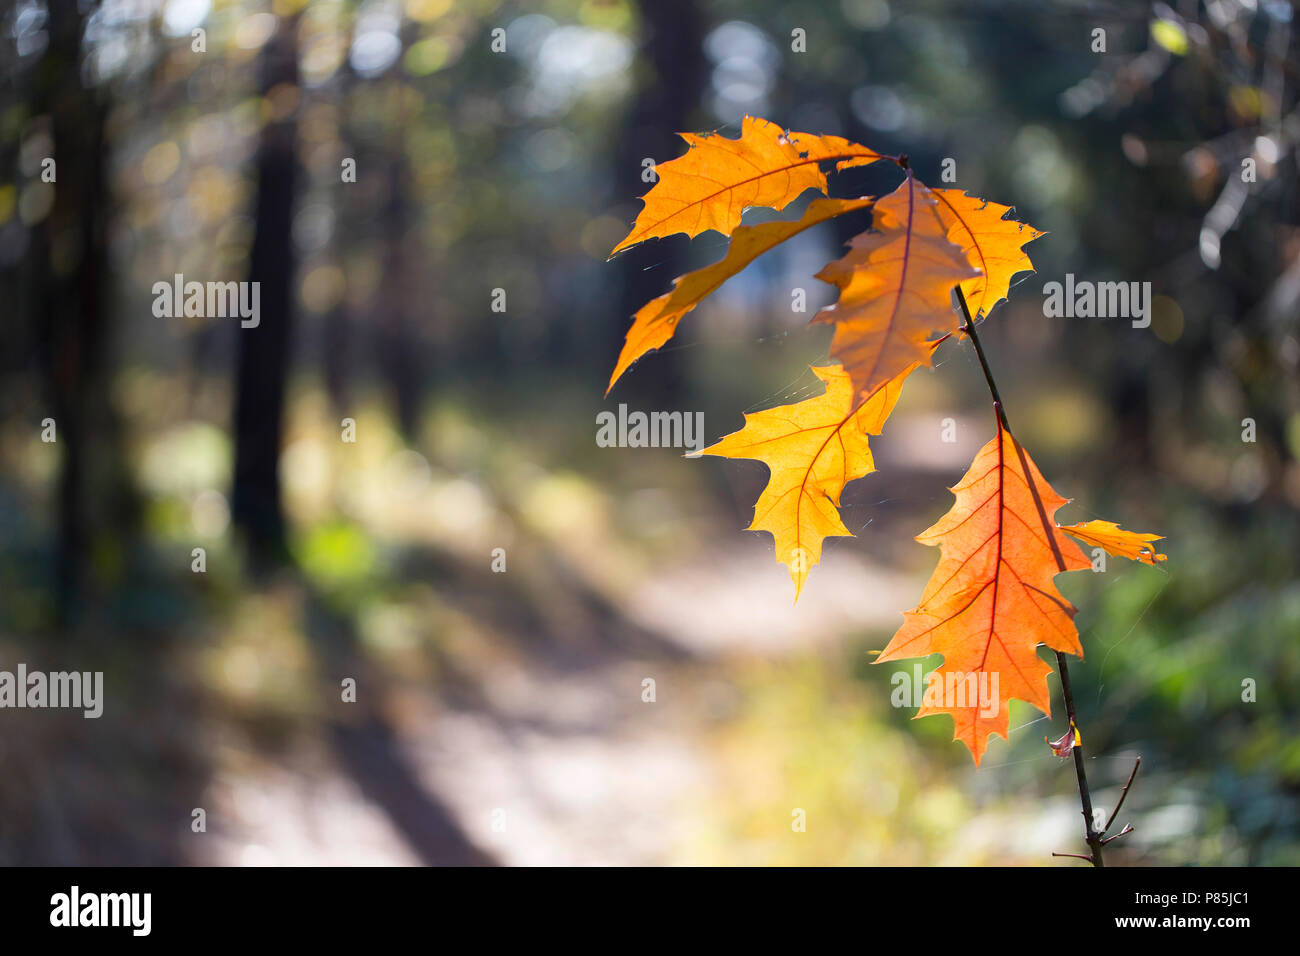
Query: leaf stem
[1091,836]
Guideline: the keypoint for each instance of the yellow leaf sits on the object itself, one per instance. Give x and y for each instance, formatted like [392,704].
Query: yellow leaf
[1170,35]
[991,243]
[813,449]
[1116,541]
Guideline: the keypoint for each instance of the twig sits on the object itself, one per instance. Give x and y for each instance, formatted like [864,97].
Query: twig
[959,301]
[1128,828]
[1122,795]
[1091,836]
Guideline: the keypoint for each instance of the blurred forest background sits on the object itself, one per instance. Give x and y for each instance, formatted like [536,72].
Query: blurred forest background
[499,715]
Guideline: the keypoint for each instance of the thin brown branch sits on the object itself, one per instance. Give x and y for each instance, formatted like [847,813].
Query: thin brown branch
[1122,796]
[1091,836]
[1128,828]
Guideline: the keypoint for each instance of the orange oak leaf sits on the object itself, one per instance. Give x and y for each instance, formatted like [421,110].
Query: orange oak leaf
[657,320]
[991,243]
[718,178]
[1116,541]
[813,449]
[895,285]
[992,599]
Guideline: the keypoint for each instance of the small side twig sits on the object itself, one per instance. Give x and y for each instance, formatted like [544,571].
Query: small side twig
[1128,828]
[1123,794]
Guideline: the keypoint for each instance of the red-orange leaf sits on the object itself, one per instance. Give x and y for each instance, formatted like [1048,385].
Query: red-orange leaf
[895,287]
[992,599]
[657,320]
[717,179]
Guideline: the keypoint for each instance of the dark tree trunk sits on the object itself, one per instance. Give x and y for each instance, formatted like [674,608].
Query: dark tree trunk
[256,507]
[69,255]
[673,51]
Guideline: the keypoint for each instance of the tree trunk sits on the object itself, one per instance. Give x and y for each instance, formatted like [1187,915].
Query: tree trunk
[673,51]
[95,507]
[256,508]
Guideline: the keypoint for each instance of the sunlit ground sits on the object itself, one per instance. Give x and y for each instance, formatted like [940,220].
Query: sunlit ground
[512,703]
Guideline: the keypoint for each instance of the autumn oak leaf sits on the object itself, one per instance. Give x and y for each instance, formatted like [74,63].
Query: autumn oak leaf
[992,599]
[1117,542]
[992,243]
[717,179]
[895,286]
[813,449]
